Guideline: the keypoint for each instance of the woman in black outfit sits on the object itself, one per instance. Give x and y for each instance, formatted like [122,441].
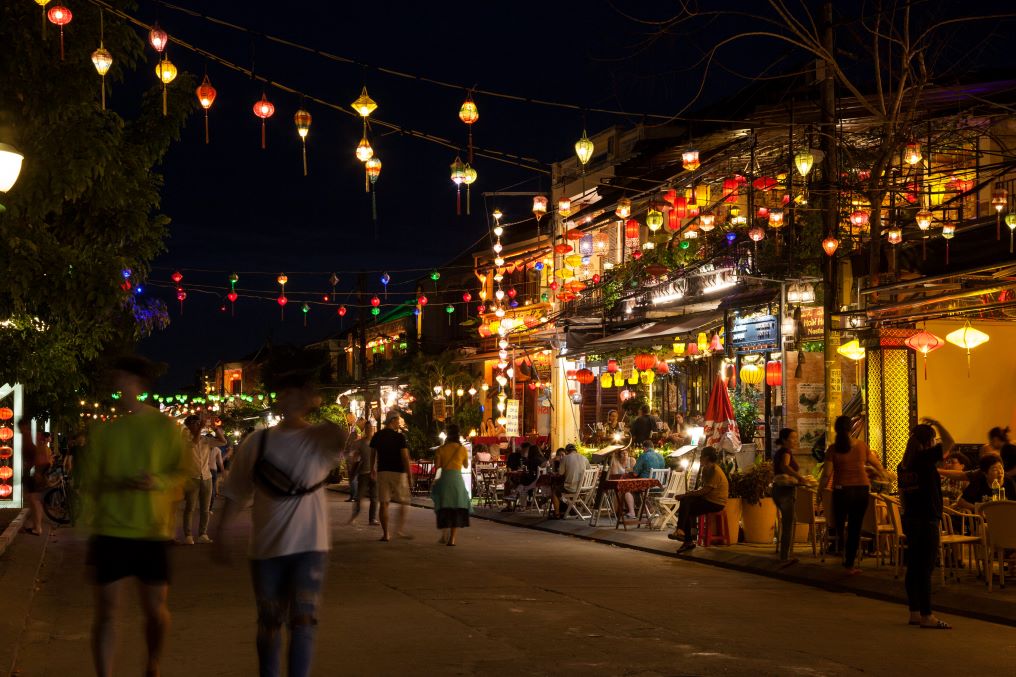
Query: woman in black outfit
[921,495]
[786,478]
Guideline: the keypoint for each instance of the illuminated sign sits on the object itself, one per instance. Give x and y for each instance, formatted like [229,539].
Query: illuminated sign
[757,334]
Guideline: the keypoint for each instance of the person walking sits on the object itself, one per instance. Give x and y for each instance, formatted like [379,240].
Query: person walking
[284,470]
[130,481]
[197,493]
[451,500]
[353,459]
[366,485]
[921,496]
[786,478]
[38,460]
[391,471]
[845,467]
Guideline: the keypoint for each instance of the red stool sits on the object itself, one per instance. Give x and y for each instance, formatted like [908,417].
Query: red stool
[712,529]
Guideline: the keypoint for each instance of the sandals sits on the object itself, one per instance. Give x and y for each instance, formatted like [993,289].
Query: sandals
[26,530]
[939,624]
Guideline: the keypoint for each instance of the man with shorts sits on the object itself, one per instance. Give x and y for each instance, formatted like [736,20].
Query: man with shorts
[130,480]
[391,471]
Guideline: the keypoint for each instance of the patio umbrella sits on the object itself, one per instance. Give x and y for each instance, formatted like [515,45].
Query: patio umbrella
[720,427]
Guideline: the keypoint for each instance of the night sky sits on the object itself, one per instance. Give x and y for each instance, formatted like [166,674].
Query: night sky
[238,208]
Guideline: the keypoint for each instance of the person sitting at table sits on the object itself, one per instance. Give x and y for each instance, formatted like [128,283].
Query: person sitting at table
[613,424]
[620,465]
[516,457]
[533,462]
[990,470]
[709,498]
[952,488]
[648,460]
[643,427]
[555,463]
[573,467]
[679,435]
[481,454]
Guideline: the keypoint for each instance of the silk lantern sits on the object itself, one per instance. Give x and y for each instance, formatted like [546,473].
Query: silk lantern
[645,361]
[166,72]
[60,16]
[752,374]
[968,338]
[206,97]
[774,373]
[924,342]
[264,109]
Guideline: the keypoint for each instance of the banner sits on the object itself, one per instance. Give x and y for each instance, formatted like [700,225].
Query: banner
[511,428]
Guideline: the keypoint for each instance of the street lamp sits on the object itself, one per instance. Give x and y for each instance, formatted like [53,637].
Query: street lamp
[10,168]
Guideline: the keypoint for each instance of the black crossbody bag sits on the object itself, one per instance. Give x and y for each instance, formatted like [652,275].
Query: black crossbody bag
[274,481]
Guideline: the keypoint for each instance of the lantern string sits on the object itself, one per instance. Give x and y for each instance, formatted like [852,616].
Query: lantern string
[528,163]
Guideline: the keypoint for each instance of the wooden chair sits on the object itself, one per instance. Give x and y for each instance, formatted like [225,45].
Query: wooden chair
[805,513]
[950,543]
[877,525]
[666,503]
[662,476]
[577,500]
[897,539]
[998,535]
[830,519]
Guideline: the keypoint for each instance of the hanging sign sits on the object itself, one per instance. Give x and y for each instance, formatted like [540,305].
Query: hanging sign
[439,409]
[812,321]
[627,367]
[757,334]
[511,412]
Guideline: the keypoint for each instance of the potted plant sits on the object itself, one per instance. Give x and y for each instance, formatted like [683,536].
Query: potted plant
[745,405]
[732,511]
[758,512]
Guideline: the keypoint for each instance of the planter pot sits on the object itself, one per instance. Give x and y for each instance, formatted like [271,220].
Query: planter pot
[759,521]
[801,532]
[732,513]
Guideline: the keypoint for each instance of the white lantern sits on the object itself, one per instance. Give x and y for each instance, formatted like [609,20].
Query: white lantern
[10,166]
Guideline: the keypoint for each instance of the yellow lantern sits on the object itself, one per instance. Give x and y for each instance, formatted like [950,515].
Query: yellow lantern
[633,380]
[573,260]
[852,350]
[584,148]
[654,219]
[623,209]
[968,338]
[678,348]
[165,71]
[364,105]
[606,380]
[102,60]
[564,207]
[648,377]
[752,374]
[804,161]
[703,342]
[618,380]
[363,150]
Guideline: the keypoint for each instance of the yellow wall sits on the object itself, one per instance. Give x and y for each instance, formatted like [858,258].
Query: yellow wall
[969,407]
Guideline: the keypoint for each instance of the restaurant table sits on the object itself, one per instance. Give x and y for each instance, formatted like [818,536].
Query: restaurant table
[613,487]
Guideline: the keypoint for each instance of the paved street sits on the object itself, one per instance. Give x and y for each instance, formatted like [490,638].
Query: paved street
[510,601]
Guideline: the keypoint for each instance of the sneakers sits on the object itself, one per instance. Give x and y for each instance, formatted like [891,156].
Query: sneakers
[203,538]
[188,540]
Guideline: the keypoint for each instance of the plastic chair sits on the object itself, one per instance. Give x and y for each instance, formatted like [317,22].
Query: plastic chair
[999,535]
[805,513]
[706,524]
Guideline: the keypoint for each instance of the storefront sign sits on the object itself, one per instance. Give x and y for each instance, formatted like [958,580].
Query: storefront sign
[812,319]
[439,410]
[757,334]
[511,413]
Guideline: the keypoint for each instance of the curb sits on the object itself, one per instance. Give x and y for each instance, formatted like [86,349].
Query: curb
[7,537]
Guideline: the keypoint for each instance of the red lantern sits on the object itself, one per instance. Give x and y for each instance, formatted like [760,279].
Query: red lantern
[715,344]
[176,277]
[924,342]
[6,434]
[662,368]
[585,376]
[6,472]
[6,413]
[570,374]
[553,285]
[481,309]
[232,296]
[764,183]
[573,234]
[562,248]
[645,361]
[774,373]
[264,109]
[467,297]
[681,206]
[631,229]
[730,190]
[206,97]
[596,278]
[282,300]
[763,212]
[6,490]
[422,300]
[612,366]
[342,311]
[60,16]
[512,293]
[673,221]
[691,348]
[158,38]
[6,452]
[859,218]
[375,301]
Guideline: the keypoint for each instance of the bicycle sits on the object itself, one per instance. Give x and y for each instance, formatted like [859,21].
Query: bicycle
[61,502]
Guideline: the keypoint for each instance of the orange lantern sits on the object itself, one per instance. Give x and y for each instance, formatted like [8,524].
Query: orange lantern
[662,368]
[924,342]
[264,109]
[585,376]
[623,208]
[573,234]
[6,490]
[6,472]
[60,16]
[645,361]
[562,248]
[206,97]
[774,373]
[631,229]
[6,434]
[830,245]
[6,413]
[6,452]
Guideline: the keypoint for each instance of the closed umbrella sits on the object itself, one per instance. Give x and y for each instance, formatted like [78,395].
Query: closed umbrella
[720,427]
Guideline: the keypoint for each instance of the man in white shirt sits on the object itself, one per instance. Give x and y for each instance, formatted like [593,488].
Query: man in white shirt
[289,538]
[197,493]
[573,467]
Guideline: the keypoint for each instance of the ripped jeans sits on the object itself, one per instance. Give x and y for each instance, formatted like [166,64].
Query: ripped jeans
[287,590]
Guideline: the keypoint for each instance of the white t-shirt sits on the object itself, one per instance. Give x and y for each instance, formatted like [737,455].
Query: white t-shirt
[286,526]
[204,450]
[573,467]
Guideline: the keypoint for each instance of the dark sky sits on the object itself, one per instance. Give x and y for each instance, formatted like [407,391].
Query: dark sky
[238,208]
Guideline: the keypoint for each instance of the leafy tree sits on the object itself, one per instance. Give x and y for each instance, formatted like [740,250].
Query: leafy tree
[85,208]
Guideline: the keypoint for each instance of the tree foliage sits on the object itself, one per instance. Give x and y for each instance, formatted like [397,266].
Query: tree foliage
[86,206]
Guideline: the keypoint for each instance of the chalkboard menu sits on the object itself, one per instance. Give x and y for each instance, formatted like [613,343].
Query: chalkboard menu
[758,334]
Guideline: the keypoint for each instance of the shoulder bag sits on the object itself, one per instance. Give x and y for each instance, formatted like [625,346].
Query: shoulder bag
[274,481]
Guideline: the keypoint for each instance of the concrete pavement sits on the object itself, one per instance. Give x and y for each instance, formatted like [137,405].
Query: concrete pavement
[506,601]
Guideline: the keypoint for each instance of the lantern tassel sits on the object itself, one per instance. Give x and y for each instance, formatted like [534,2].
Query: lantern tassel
[373,213]
[366,181]
[61,44]
[926,366]
[103,89]
[947,252]
[262,133]
[206,127]
[1010,241]
[467,200]
[165,101]
[998,225]
[458,200]
[305,158]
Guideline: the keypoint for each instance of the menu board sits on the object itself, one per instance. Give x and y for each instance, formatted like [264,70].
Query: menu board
[757,334]
[511,412]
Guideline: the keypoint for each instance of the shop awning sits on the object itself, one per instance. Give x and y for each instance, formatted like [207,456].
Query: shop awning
[657,332]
